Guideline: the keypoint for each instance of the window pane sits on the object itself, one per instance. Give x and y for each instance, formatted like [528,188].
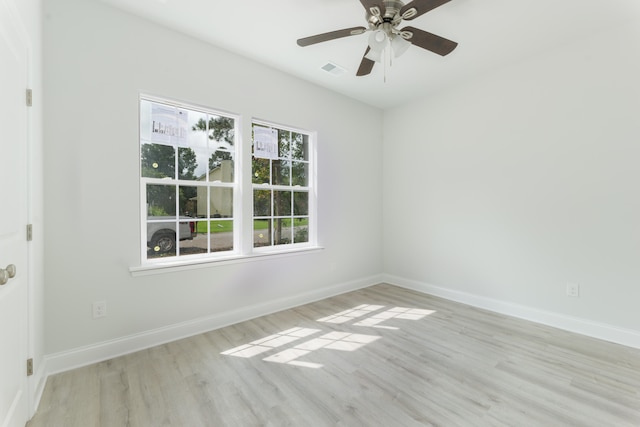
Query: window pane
[301,230]
[189,242]
[299,146]
[282,231]
[301,203]
[261,232]
[221,166]
[199,172]
[282,203]
[164,123]
[145,120]
[221,200]
[188,200]
[300,174]
[221,132]
[201,238]
[284,137]
[260,171]
[157,161]
[161,200]
[161,239]
[201,228]
[261,203]
[202,203]
[197,137]
[221,237]
[187,163]
[281,172]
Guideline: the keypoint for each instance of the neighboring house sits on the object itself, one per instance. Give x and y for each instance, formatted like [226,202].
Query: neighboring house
[221,200]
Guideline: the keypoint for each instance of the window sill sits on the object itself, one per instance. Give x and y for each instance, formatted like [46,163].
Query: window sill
[173,266]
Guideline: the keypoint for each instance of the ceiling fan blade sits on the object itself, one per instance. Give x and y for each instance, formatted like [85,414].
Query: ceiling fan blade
[421,7]
[318,38]
[368,4]
[428,41]
[366,65]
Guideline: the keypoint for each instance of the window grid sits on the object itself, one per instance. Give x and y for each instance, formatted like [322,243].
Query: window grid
[179,157]
[192,181]
[285,180]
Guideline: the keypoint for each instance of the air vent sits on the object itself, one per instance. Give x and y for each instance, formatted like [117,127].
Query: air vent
[334,69]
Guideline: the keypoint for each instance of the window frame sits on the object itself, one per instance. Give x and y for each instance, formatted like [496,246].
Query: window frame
[178,182]
[310,189]
[242,189]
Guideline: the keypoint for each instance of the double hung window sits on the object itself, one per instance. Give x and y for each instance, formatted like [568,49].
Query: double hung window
[188,180]
[281,191]
[197,202]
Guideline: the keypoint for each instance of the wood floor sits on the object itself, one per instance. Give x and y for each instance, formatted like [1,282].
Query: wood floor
[381,356]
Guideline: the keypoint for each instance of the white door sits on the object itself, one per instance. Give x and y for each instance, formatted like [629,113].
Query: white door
[13,218]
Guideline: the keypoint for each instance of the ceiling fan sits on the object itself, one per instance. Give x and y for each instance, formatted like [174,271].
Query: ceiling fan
[383,17]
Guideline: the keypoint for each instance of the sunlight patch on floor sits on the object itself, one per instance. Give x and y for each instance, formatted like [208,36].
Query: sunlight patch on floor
[394,313]
[269,343]
[365,315]
[351,314]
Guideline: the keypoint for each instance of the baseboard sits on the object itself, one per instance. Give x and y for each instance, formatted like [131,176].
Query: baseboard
[82,356]
[627,337]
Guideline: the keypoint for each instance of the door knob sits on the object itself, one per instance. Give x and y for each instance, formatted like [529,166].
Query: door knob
[11,269]
[7,273]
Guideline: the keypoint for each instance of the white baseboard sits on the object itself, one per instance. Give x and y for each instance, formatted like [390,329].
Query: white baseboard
[627,337]
[82,356]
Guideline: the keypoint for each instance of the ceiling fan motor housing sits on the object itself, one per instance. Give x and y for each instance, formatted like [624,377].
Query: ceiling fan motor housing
[390,15]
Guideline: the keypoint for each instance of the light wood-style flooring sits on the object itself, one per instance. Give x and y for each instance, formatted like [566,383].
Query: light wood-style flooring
[381,356]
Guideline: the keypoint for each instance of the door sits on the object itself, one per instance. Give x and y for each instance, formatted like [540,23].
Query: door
[13,218]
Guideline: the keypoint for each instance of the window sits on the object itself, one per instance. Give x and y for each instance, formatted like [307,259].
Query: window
[280,176]
[187,173]
[192,182]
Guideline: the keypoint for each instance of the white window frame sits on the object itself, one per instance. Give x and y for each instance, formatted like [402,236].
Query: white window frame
[144,181]
[310,189]
[242,187]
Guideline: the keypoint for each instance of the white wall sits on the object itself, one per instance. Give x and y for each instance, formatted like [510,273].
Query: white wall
[97,60]
[506,188]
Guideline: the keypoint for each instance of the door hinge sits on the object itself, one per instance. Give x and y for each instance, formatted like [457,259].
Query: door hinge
[29,97]
[29,232]
[29,367]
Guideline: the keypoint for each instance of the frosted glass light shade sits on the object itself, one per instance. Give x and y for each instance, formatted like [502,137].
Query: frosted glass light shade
[399,45]
[377,40]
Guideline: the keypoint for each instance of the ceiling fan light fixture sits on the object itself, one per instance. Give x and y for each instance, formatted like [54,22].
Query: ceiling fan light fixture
[399,46]
[378,40]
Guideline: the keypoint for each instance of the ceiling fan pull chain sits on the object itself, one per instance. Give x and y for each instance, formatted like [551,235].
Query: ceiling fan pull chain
[385,54]
[383,61]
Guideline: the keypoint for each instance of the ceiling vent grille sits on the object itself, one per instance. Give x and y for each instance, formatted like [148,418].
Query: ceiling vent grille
[334,69]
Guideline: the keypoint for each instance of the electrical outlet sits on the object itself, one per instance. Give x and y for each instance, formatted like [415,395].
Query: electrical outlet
[99,309]
[573,290]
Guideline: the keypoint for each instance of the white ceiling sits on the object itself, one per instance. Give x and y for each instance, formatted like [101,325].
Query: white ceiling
[490,33]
